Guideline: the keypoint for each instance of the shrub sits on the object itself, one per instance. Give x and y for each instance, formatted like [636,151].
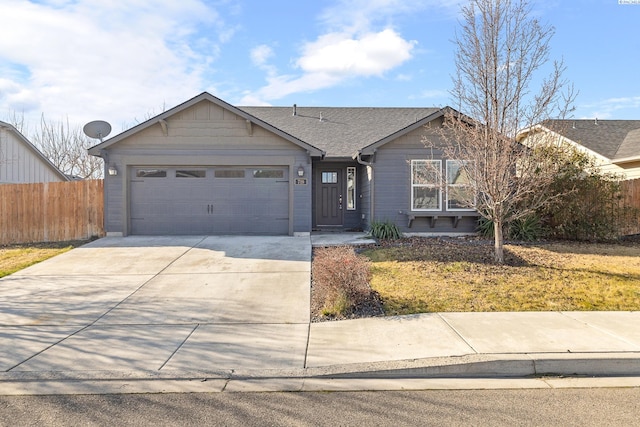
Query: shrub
[526,229]
[588,204]
[340,280]
[485,228]
[385,230]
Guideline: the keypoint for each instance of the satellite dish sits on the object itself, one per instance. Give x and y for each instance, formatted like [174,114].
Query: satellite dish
[97,129]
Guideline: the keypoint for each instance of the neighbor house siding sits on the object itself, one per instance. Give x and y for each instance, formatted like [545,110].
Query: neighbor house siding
[629,170]
[19,164]
[392,187]
[203,135]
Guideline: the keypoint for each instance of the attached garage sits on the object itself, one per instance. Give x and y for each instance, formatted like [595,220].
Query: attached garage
[187,200]
[206,167]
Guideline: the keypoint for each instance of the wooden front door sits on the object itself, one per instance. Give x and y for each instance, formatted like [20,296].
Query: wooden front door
[329,197]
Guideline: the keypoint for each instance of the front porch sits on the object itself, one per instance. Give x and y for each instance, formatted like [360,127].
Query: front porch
[324,239]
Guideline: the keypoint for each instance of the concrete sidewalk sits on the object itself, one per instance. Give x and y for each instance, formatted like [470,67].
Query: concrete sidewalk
[443,350]
[480,345]
[232,314]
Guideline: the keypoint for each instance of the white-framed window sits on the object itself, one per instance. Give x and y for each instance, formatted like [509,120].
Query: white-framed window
[425,185]
[351,188]
[459,189]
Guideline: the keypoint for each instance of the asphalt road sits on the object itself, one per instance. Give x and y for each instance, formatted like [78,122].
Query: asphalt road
[567,407]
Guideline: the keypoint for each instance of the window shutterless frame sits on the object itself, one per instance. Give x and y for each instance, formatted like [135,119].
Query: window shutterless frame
[459,188]
[426,176]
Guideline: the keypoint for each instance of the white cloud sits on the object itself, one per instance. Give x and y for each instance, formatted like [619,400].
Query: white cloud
[340,54]
[359,40]
[82,58]
[335,57]
[611,108]
[261,54]
[361,15]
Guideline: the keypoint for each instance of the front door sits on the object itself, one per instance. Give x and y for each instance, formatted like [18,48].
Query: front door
[329,198]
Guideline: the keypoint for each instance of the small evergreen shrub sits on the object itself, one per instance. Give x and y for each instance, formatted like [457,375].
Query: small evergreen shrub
[485,228]
[385,230]
[526,229]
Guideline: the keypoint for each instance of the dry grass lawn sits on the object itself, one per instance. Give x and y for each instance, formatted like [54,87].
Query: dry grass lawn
[434,275]
[17,257]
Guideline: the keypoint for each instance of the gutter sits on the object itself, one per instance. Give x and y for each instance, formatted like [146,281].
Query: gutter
[358,158]
[626,160]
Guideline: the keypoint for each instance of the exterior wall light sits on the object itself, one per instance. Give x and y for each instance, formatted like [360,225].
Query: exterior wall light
[112,170]
[300,171]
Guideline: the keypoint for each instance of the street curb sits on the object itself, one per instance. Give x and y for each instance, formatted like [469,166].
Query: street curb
[469,366]
[506,366]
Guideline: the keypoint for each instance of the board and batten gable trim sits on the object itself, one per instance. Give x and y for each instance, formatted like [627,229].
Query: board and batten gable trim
[97,150]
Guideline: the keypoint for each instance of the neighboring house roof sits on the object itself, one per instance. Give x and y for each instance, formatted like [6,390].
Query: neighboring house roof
[34,150]
[616,140]
[314,151]
[343,131]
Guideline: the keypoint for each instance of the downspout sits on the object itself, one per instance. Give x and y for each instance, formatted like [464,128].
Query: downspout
[372,182]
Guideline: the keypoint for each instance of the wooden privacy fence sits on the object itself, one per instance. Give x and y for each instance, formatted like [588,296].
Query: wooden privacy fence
[631,199]
[51,212]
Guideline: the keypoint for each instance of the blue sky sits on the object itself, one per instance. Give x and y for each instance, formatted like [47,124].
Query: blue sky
[124,61]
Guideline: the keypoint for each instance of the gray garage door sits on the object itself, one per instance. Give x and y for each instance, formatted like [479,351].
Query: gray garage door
[209,200]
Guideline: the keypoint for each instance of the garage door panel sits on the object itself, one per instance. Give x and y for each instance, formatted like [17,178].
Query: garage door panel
[210,201]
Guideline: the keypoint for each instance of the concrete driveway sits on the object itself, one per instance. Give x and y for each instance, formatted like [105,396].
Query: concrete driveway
[160,303]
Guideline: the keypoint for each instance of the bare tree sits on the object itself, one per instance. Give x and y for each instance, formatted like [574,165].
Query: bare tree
[500,50]
[66,147]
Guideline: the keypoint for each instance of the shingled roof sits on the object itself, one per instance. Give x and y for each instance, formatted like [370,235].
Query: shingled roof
[340,131]
[613,139]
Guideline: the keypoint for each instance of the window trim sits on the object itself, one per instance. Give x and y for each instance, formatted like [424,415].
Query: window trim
[437,185]
[353,193]
[449,185]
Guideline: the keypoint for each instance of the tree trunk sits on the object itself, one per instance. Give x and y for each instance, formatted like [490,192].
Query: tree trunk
[498,255]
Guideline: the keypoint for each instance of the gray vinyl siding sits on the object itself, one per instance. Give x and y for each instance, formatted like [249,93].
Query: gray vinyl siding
[114,201]
[392,187]
[365,195]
